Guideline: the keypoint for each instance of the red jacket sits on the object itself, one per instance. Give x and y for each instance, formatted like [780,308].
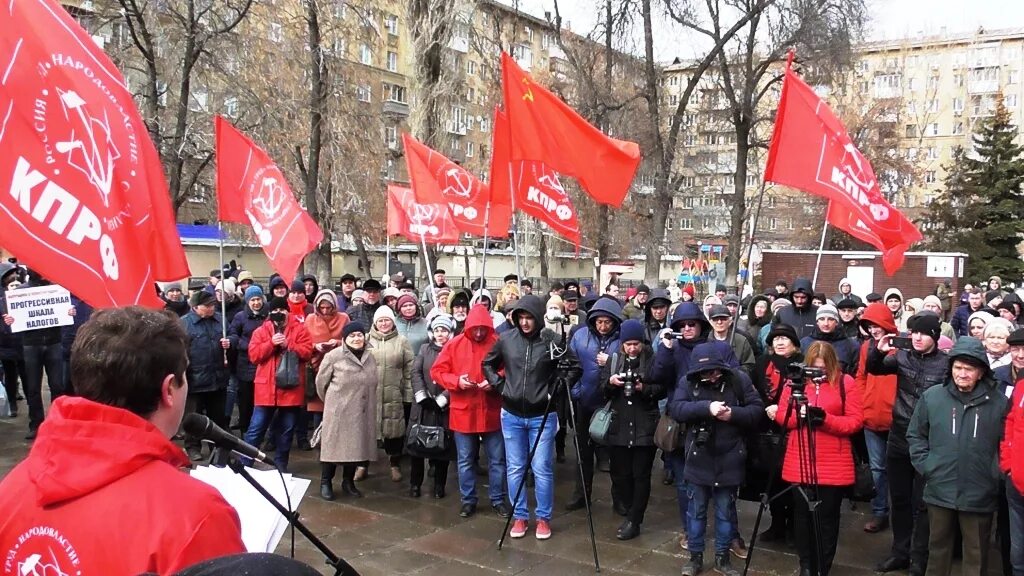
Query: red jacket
[101,493]
[265,355]
[879,392]
[472,411]
[1011,449]
[832,448]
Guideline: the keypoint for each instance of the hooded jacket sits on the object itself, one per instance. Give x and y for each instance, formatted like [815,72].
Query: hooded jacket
[879,391]
[530,373]
[266,356]
[462,295]
[497,318]
[803,319]
[672,364]
[898,316]
[74,504]
[954,439]
[240,333]
[472,411]
[316,287]
[587,344]
[721,459]
[839,295]
[847,349]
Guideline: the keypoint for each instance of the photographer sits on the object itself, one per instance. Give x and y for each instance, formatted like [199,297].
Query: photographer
[917,368]
[630,439]
[521,367]
[823,467]
[719,406]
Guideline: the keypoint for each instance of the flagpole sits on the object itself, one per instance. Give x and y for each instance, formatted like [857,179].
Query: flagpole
[515,219]
[483,263]
[223,289]
[387,256]
[430,273]
[821,247]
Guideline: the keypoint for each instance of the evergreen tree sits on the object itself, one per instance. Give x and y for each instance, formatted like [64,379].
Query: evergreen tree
[981,212]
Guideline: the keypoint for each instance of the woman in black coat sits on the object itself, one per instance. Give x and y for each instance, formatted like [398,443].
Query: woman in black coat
[630,438]
[430,408]
[243,324]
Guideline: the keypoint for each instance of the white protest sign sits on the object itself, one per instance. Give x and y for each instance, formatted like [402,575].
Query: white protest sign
[39,307]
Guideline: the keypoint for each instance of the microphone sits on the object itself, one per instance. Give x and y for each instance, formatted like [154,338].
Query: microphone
[204,428]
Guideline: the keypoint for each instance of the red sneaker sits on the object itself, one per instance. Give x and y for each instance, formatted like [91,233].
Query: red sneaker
[543,531]
[519,528]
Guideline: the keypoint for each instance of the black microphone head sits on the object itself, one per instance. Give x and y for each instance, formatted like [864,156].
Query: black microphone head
[196,425]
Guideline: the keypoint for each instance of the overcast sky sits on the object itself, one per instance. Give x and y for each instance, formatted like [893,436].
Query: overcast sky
[891,18]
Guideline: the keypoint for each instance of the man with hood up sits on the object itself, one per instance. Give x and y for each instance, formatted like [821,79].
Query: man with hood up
[475,412]
[846,291]
[802,315]
[954,440]
[73,505]
[311,287]
[483,296]
[521,366]
[893,299]
[593,347]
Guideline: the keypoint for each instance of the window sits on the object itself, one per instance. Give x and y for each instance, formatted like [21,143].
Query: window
[363,93]
[546,41]
[706,223]
[391,23]
[933,129]
[391,136]
[933,105]
[863,86]
[690,140]
[689,182]
[1012,76]
[911,84]
[485,124]
[340,9]
[394,93]
[911,107]
[529,33]
[471,95]
[933,82]
[958,80]
[668,223]
[469,149]
[752,180]
[929,177]
[958,128]
[197,100]
[365,54]
[1010,100]
[673,100]
[392,61]
[911,130]
[673,81]
[911,153]
[523,55]
[161,93]
[710,139]
[933,153]
[456,145]
[686,224]
[275,32]
[689,119]
[470,67]
[773,223]
[470,122]
[231,107]
[484,18]
[958,104]
[688,202]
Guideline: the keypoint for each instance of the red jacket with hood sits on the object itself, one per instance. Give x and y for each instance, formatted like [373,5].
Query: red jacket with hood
[1011,449]
[879,392]
[265,355]
[472,411]
[100,493]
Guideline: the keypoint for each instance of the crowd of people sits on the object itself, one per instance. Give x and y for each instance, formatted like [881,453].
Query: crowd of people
[807,397]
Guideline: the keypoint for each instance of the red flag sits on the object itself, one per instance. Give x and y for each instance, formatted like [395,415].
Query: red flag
[408,218]
[546,129]
[812,151]
[437,180]
[84,202]
[537,189]
[252,190]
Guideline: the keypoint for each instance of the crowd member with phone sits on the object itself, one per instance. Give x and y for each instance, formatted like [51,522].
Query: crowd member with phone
[916,370]
[324,325]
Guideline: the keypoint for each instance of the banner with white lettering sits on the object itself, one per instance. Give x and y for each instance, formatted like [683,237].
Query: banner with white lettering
[39,307]
[541,195]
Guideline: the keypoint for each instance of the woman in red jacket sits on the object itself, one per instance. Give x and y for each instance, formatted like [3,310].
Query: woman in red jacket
[284,394]
[1011,460]
[832,411]
[879,394]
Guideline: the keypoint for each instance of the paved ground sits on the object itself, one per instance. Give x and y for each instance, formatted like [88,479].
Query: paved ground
[387,532]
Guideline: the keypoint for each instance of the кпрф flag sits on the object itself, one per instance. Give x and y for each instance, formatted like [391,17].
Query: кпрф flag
[812,151]
[546,129]
[83,202]
[427,222]
[252,190]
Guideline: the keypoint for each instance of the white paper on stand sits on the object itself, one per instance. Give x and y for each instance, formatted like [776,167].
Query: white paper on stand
[262,524]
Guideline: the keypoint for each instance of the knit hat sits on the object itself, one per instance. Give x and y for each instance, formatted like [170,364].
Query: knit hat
[1016,337]
[202,298]
[244,275]
[927,324]
[933,300]
[444,321]
[555,302]
[391,292]
[784,330]
[643,289]
[983,316]
[226,285]
[360,294]
[731,299]
[278,303]
[827,311]
[383,312]
[298,286]
[779,304]
[405,299]
[631,330]
[354,326]
[442,290]
[688,289]
[253,292]
[945,344]
[173,286]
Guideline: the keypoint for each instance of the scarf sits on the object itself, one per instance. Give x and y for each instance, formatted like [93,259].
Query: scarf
[323,328]
[357,353]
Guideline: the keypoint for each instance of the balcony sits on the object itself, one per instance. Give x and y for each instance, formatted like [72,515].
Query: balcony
[455,127]
[459,44]
[395,108]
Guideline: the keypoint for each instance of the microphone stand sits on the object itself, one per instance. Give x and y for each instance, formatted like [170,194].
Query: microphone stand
[223,457]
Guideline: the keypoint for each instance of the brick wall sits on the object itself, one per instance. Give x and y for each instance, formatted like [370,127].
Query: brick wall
[911,279]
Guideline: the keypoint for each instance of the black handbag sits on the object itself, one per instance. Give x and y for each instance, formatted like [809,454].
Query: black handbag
[287,375]
[427,440]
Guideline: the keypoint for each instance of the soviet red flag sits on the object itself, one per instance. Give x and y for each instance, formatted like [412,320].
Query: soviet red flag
[536,187]
[429,222]
[546,129]
[812,151]
[437,180]
[84,200]
[252,190]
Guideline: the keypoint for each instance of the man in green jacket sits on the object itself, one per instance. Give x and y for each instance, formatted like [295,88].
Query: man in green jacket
[954,440]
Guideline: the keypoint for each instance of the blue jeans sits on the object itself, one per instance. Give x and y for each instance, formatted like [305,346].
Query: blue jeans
[468,446]
[876,442]
[283,430]
[48,358]
[724,498]
[676,461]
[1016,503]
[520,434]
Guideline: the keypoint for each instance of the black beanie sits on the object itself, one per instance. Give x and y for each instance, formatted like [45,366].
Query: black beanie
[783,330]
[927,324]
[278,303]
[355,326]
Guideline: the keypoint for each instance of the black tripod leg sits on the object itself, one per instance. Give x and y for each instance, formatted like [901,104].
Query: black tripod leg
[522,481]
[579,468]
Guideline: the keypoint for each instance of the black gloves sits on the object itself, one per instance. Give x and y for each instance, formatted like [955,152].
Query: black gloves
[815,416]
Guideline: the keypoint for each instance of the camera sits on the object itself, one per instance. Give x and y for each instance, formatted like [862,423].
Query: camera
[672,335]
[798,374]
[703,433]
[556,318]
[629,381]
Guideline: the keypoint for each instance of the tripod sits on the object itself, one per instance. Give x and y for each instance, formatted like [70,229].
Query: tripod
[556,351]
[808,475]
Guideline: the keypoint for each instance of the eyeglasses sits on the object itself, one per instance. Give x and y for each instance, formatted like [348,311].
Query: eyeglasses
[720,318]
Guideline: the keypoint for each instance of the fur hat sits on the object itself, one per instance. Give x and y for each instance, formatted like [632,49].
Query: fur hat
[202,298]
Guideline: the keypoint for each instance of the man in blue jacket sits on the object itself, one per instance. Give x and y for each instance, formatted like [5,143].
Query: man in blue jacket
[207,371]
[719,406]
[593,346]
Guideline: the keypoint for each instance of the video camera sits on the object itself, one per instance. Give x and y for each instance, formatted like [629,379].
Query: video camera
[799,373]
[556,318]
[672,335]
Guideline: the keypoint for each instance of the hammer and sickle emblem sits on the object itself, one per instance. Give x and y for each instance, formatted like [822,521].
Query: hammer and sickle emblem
[529,92]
